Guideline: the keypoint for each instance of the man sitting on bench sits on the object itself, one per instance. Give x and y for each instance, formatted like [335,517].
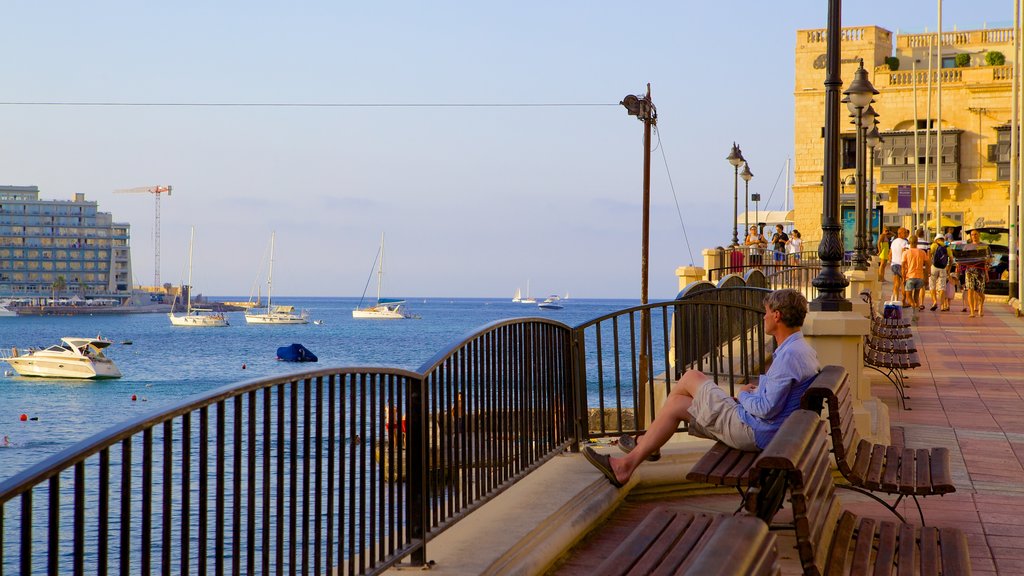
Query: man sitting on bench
[747,422]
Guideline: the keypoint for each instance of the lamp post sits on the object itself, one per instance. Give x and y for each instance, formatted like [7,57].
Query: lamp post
[874,139]
[746,175]
[859,97]
[643,108]
[735,158]
[831,283]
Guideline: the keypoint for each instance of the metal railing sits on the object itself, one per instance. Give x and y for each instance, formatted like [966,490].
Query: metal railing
[352,470]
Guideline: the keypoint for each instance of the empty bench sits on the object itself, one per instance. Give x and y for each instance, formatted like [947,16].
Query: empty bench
[831,540]
[870,467]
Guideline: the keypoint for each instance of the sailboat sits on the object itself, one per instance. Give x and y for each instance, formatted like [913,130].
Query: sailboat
[199,317]
[528,299]
[518,296]
[274,314]
[385,308]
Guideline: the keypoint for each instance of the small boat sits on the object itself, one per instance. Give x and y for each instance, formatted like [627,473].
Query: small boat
[551,303]
[274,314]
[197,317]
[5,308]
[295,353]
[318,322]
[528,299]
[72,358]
[385,308]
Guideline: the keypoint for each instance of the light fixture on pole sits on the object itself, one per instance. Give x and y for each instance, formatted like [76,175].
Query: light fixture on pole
[859,97]
[735,158]
[874,140]
[746,175]
[643,108]
[830,282]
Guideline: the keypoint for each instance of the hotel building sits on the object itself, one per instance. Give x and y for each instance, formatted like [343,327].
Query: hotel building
[43,240]
[975,125]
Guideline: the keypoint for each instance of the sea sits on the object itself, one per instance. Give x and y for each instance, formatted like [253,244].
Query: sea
[162,365]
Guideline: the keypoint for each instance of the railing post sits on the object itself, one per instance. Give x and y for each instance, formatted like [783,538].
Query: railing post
[577,400]
[417,485]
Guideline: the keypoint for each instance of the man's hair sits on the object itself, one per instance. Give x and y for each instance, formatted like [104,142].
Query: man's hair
[790,304]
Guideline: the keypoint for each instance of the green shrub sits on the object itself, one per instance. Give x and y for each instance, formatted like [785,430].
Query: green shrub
[893,63]
[995,58]
[963,60]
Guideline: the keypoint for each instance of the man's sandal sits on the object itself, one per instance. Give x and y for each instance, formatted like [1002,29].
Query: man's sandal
[627,444]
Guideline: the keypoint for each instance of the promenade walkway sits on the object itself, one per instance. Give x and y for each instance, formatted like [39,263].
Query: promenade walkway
[968,395]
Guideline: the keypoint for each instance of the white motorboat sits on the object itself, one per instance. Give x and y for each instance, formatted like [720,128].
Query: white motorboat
[551,303]
[5,308]
[385,308]
[72,358]
[197,317]
[275,314]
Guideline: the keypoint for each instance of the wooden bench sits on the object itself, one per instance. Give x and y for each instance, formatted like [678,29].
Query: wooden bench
[833,541]
[870,467]
[887,328]
[673,541]
[723,465]
[890,362]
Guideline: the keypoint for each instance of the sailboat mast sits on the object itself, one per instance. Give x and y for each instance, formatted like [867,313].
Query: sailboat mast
[270,274]
[380,269]
[191,241]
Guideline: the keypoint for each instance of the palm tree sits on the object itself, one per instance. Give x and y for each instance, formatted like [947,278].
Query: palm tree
[58,286]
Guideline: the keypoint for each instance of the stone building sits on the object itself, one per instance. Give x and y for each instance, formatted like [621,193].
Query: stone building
[975,127]
[42,241]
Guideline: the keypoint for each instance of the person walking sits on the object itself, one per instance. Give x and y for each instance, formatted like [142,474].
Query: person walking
[896,249]
[749,421]
[939,275]
[883,253]
[914,265]
[974,280]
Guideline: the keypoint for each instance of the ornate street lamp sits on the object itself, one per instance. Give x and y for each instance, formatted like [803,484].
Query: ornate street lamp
[831,283]
[874,139]
[735,158]
[858,98]
[746,175]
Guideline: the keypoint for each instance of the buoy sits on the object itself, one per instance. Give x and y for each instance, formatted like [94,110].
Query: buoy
[24,417]
[134,398]
[243,365]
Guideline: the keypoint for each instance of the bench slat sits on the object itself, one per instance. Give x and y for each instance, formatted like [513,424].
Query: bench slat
[955,557]
[887,543]
[908,472]
[860,466]
[907,552]
[923,484]
[840,544]
[863,546]
[678,542]
[942,476]
[873,479]
[929,551]
[890,480]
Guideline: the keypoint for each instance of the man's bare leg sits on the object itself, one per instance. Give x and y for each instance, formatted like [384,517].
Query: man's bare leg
[675,410]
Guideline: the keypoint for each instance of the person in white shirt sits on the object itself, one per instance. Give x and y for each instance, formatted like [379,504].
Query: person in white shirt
[896,249]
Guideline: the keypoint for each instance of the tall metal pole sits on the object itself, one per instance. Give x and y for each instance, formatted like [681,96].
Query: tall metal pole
[1014,147]
[917,146]
[927,138]
[859,246]
[746,207]
[939,144]
[735,205]
[831,283]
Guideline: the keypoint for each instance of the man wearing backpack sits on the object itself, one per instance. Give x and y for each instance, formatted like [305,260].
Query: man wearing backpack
[940,274]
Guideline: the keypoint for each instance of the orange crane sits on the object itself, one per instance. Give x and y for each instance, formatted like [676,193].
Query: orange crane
[156,191]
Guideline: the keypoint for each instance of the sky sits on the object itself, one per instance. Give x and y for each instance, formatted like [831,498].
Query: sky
[475,200]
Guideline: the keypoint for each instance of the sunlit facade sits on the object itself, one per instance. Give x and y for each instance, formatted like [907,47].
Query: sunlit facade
[42,241]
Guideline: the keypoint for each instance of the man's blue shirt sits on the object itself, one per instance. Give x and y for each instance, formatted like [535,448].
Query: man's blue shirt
[778,392]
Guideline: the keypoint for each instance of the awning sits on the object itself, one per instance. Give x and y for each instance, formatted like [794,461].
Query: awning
[947,222]
[769,217]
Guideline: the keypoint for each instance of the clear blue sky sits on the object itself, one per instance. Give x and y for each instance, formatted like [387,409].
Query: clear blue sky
[474,201]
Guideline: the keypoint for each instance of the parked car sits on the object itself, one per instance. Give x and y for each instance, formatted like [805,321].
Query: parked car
[998,240]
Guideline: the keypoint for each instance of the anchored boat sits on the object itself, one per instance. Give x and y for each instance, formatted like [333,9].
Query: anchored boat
[72,358]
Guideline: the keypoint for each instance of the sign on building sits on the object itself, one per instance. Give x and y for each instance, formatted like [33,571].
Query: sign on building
[903,199]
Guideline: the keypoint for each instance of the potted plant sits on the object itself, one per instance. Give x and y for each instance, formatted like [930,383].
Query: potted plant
[995,58]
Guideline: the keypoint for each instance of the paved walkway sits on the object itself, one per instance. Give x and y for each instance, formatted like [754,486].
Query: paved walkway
[968,395]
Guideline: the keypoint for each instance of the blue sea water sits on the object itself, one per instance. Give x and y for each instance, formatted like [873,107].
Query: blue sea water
[164,364]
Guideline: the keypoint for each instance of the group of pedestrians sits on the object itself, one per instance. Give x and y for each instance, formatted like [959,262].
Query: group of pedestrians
[784,246]
[917,264]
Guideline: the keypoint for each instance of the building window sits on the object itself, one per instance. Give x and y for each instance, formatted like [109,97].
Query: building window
[849,152]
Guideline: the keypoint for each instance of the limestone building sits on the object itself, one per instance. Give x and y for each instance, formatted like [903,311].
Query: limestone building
[975,151]
[44,240]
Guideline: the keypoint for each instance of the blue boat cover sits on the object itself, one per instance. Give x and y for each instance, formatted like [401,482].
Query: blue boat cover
[295,353]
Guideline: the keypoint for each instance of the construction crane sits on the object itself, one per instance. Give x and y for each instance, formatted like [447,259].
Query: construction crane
[156,191]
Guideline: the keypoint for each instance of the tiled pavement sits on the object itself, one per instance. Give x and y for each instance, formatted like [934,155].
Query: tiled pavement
[967,395]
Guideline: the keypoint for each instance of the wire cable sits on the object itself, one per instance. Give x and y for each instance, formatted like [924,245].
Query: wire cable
[671,185]
[316,104]
[777,178]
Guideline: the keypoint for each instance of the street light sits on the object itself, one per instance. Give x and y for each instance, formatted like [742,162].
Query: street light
[858,98]
[643,108]
[735,158]
[746,175]
[874,139]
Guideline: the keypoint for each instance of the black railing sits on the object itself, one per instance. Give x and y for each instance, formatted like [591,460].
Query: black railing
[351,470]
